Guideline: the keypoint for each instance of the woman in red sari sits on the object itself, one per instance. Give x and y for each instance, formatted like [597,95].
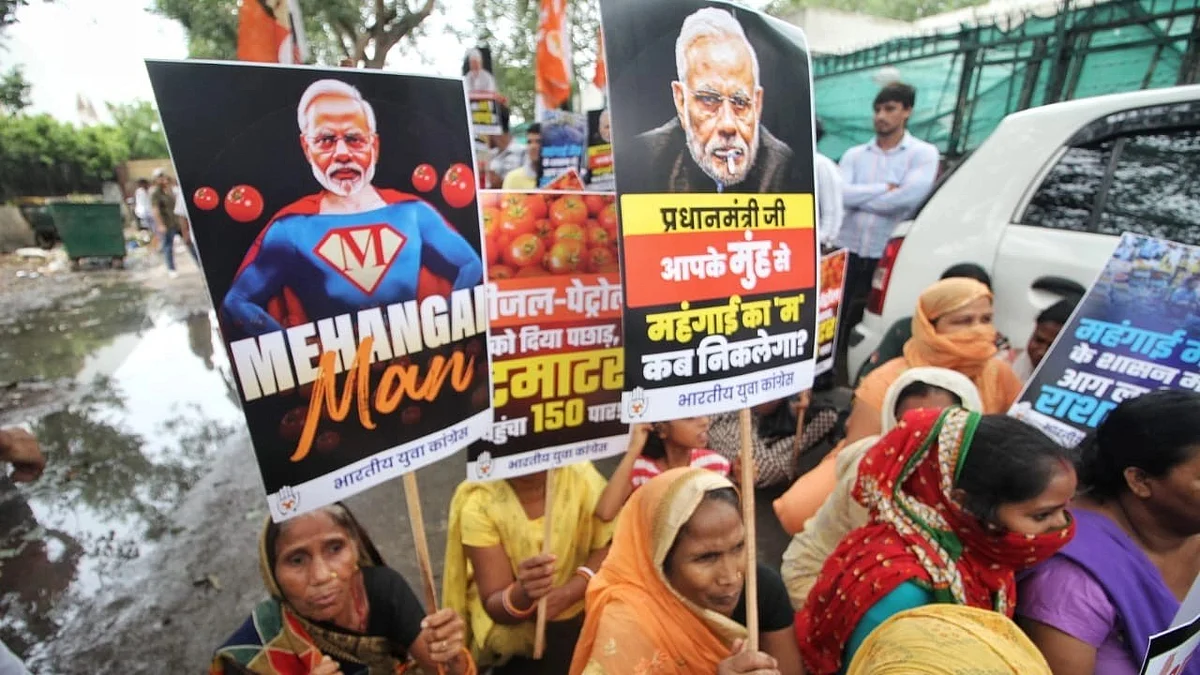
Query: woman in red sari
[959,502]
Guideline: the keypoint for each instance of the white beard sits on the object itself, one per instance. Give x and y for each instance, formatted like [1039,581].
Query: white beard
[716,168]
[343,188]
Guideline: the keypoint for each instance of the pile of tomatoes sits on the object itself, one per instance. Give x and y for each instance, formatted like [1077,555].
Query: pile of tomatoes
[833,270]
[536,235]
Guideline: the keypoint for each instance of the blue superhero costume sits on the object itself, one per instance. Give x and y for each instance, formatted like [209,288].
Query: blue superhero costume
[309,264]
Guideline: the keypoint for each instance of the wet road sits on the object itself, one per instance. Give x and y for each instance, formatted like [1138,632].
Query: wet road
[136,551]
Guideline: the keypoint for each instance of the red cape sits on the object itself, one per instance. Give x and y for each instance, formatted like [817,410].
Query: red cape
[287,308]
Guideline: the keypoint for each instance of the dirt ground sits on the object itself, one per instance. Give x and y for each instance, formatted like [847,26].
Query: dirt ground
[136,552]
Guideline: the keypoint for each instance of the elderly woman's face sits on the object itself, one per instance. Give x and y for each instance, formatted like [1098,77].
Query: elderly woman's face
[315,565]
[707,565]
[977,314]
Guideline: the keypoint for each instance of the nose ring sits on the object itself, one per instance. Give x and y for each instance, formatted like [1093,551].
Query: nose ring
[333,574]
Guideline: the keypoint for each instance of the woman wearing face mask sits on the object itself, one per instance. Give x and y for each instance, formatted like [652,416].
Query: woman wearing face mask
[958,503]
[952,329]
[1093,607]
[336,609]
[916,389]
[655,448]
[668,598]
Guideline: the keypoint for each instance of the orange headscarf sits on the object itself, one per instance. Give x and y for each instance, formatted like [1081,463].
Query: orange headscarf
[971,352]
[634,618]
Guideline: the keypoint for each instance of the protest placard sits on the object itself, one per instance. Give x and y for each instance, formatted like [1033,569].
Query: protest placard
[555,309]
[564,145]
[1171,651]
[599,152]
[485,114]
[715,180]
[829,307]
[336,219]
[1136,330]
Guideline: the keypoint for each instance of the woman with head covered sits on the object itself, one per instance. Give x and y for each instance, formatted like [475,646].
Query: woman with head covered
[959,503]
[919,388]
[952,329]
[336,609]
[668,598]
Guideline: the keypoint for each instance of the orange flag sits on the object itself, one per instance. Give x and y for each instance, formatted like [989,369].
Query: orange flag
[265,32]
[553,55]
[601,77]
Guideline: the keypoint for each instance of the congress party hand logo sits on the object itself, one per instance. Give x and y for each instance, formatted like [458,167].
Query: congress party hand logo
[637,402]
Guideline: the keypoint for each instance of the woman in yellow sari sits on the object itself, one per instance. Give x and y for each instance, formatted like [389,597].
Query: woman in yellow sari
[948,639]
[495,571]
[668,599]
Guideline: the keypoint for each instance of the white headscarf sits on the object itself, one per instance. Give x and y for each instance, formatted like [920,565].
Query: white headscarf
[953,381]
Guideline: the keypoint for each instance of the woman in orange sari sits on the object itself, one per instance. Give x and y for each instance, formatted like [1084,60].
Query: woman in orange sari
[668,597]
[952,329]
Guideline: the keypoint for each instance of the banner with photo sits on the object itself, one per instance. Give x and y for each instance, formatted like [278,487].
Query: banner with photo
[715,176]
[599,152]
[555,309]
[336,218]
[1136,330]
[564,146]
[829,307]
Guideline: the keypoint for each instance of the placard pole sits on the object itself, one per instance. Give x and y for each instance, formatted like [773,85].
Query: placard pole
[539,639]
[747,489]
[412,496]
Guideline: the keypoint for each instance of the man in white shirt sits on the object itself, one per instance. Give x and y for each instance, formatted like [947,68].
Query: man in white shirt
[884,182]
[507,154]
[141,205]
[829,194]
[478,80]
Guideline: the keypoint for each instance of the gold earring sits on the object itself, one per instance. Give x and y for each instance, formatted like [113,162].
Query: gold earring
[333,574]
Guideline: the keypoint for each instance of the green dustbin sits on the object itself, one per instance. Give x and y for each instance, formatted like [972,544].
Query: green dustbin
[90,230]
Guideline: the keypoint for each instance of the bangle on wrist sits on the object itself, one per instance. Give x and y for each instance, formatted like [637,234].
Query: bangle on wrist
[510,607]
[585,572]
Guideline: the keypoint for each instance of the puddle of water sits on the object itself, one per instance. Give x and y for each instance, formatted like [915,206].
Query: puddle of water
[154,403]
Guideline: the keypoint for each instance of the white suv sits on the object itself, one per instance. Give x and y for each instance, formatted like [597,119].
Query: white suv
[1040,205]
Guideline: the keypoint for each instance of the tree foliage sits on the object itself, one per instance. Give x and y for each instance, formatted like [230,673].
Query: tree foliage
[41,156]
[902,10]
[364,31]
[14,91]
[509,27]
[138,123]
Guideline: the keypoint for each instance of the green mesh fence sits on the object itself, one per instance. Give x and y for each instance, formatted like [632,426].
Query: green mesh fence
[968,81]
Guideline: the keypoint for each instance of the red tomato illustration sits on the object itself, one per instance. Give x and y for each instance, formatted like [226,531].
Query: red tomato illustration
[424,178]
[244,203]
[458,186]
[206,199]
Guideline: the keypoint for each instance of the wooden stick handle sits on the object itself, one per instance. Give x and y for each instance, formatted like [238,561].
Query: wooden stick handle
[412,496]
[539,638]
[747,488]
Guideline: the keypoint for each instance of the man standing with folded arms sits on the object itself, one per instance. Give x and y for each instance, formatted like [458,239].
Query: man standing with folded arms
[884,181]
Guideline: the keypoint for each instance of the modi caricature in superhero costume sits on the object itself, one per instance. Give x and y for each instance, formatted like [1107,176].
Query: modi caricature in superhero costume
[351,246]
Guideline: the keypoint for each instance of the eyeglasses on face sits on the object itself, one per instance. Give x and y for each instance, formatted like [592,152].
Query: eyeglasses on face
[356,141]
[711,102]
